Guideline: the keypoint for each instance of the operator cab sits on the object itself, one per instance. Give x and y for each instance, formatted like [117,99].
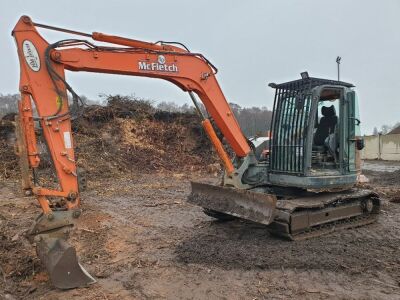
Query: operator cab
[314,134]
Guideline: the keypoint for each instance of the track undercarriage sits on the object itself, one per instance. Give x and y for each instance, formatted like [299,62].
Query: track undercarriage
[294,218]
[307,217]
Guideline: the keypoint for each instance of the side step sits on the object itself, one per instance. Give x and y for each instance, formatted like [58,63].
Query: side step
[257,207]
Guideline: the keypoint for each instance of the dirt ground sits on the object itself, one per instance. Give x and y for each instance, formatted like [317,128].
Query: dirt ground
[141,240]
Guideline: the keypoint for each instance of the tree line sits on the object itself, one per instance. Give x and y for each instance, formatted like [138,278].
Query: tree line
[252,120]
[8,104]
[385,129]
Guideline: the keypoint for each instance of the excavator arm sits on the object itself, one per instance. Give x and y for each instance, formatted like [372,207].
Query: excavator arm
[43,83]
[43,87]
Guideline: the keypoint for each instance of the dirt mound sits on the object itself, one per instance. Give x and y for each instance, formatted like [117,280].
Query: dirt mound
[127,135]
[385,183]
[384,178]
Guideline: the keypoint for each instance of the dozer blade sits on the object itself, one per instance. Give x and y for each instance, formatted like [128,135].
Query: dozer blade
[257,207]
[61,263]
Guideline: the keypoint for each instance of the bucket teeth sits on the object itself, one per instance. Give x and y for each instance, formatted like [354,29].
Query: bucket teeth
[253,206]
[61,263]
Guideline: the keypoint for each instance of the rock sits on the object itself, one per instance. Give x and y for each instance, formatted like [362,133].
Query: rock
[15,237]
[362,179]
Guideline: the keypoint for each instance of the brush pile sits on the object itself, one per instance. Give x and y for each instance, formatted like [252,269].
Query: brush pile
[126,135]
[8,158]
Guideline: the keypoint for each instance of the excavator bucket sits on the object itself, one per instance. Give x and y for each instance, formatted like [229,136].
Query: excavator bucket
[61,263]
[253,206]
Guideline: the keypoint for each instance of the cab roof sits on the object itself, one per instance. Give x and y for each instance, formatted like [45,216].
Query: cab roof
[309,83]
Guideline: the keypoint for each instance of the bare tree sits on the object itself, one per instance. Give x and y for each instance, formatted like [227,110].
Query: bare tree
[253,120]
[385,129]
[8,104]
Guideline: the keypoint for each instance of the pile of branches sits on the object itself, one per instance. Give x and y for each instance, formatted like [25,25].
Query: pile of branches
[8,158]
[119,107]
[126,135]
[131,135]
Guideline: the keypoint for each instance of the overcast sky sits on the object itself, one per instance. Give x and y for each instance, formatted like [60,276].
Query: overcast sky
[251,42]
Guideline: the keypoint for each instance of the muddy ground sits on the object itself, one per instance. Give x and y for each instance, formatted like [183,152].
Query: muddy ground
[141,240]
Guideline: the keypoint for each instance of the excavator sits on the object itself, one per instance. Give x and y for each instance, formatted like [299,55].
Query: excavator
[300,183]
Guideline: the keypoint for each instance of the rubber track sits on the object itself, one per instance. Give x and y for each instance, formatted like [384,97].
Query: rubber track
[328,228]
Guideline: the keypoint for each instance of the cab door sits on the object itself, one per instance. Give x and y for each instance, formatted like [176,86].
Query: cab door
[351,130]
